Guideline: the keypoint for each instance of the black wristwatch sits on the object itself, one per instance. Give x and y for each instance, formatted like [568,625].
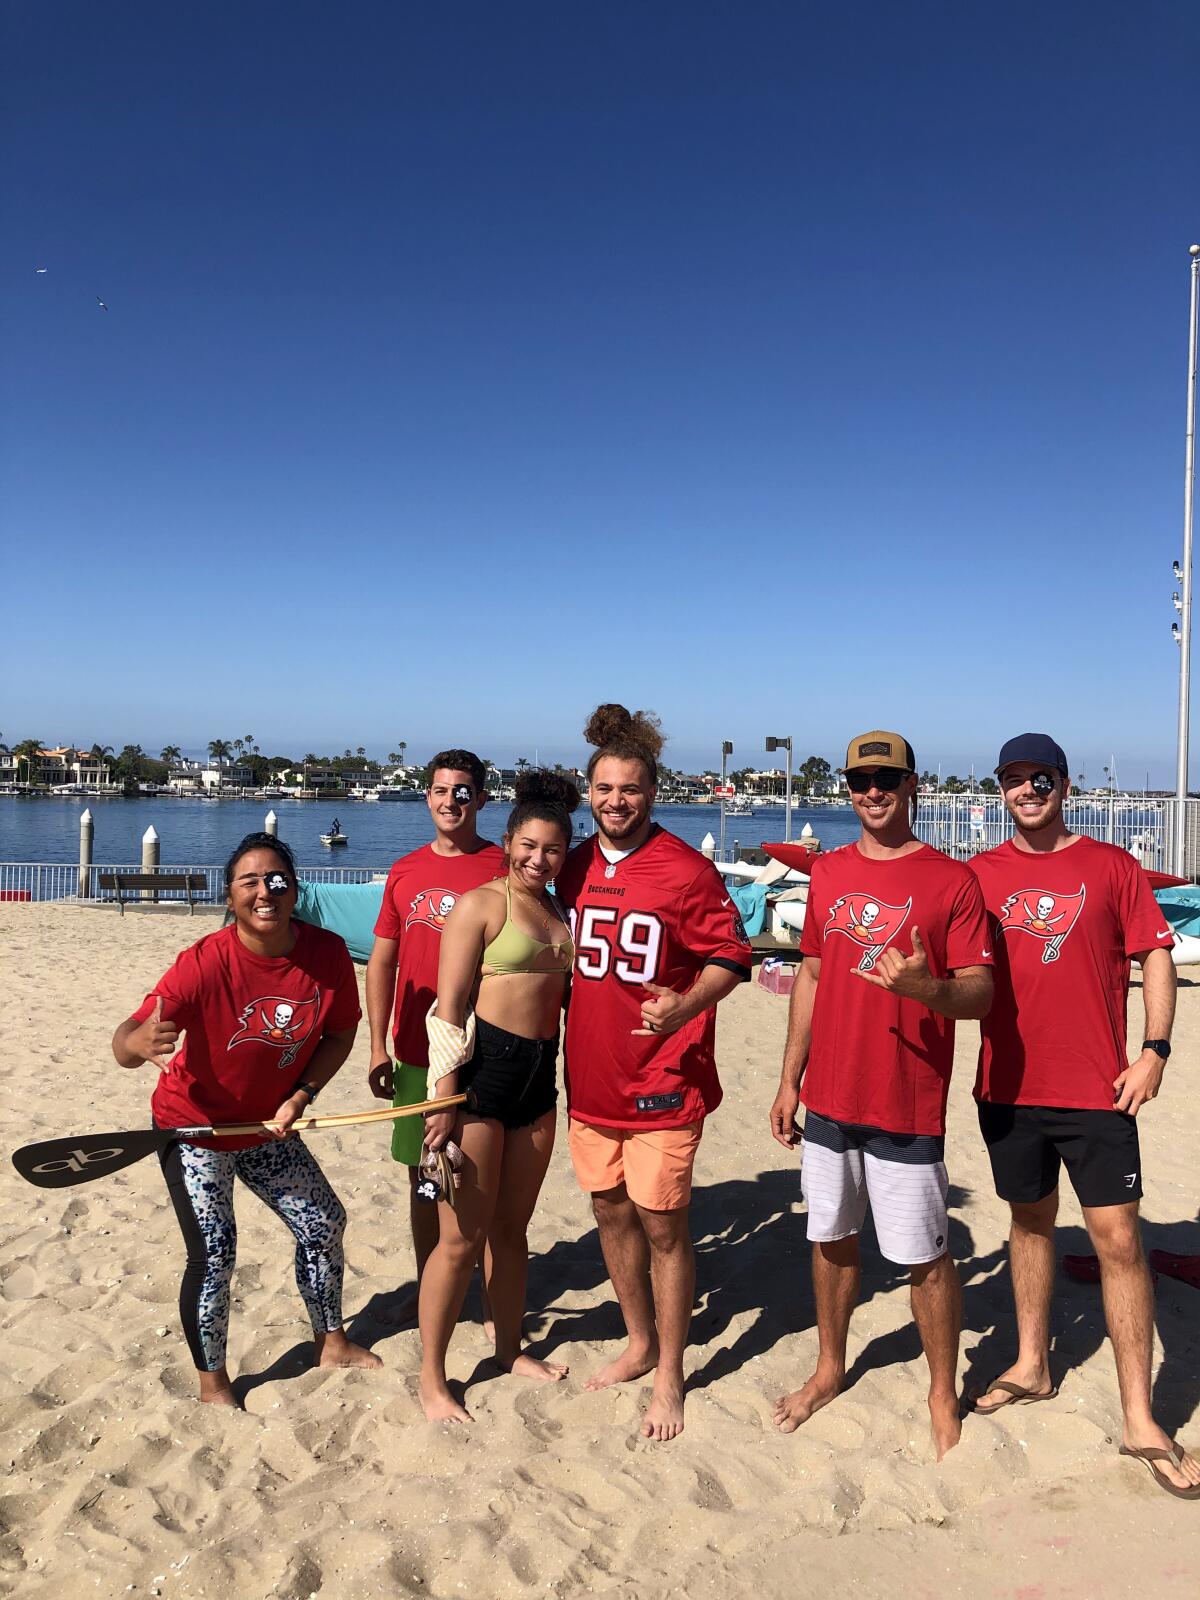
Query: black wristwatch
[1161,1047]
[309,1091]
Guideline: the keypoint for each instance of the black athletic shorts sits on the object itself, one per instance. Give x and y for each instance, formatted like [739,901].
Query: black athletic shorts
[1028,1143]
[509,1078]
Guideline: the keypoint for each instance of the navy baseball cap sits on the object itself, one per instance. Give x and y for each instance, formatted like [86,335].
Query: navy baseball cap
[1035,747]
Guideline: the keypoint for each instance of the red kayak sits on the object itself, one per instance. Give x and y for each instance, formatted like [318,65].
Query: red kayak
[1164,880]
[792,855]
[1185,1268]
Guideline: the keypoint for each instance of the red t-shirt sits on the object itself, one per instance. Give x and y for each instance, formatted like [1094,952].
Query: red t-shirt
[661,915]
[875,1058]
[1065,925]
[252,1023]
[421,890]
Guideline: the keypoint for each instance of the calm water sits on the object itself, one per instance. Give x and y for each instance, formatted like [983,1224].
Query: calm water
[203,832]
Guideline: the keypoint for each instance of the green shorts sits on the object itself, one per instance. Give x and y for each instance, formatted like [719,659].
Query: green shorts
[408,1133]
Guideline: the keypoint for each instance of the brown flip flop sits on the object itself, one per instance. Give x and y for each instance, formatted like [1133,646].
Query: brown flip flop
[1174,1454]
[1017,1396]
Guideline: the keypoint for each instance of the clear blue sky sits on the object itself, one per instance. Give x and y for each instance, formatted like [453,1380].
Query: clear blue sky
[786,368]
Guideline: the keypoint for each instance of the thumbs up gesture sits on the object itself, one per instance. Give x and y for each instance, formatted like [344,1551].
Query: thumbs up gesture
[664,1011]
[156,1039]
[907,976]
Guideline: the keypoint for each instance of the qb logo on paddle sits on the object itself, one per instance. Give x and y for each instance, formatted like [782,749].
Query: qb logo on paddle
[1048,917]
[872,924]
[272,1020]
[79,1159]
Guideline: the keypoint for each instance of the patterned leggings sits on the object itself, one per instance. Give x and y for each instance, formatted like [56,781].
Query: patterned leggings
[286,1178]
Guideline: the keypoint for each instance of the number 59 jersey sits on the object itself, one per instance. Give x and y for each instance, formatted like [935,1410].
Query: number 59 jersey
[660,915]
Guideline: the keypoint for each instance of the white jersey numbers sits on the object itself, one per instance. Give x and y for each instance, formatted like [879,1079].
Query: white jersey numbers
[629,943]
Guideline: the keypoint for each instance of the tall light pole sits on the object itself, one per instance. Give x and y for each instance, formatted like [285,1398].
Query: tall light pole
[785,744]
[726,752]
[1183,629]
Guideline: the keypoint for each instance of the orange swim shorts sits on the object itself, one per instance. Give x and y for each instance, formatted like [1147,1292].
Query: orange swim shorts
[654,1164]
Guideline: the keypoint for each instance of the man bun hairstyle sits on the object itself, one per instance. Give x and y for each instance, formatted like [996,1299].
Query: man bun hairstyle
[544,796]
[628,735]
[458,761]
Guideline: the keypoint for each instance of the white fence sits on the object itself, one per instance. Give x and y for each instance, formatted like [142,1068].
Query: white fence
[964,824]
[40,880]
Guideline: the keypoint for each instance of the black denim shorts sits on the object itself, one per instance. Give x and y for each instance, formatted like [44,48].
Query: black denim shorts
[510,1079]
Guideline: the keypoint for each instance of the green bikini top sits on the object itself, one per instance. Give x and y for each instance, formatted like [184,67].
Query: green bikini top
[513,951]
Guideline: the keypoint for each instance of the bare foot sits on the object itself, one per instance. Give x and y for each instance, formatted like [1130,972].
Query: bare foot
[439,1405]
[945,1423]
[530,1367]
[335,1350]
[1185,1476]
[220,1397]
[791,1410]
[1035,1379]
[629,1364]
[664,1414]
[216,1390]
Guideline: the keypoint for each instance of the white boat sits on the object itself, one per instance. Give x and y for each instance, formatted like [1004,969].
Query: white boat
[332,839]
[386,792]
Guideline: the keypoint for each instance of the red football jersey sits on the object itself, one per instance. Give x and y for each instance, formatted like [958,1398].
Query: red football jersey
[875,1058]
[1065,924]
[252,1025]
[660,915]
[421,890]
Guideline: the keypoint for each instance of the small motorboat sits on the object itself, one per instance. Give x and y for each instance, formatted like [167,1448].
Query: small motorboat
[332,839]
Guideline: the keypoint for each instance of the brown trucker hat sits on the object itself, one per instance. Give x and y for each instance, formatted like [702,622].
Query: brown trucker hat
[880,749]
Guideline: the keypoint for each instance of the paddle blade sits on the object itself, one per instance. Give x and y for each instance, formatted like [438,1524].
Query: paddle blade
[60,1163]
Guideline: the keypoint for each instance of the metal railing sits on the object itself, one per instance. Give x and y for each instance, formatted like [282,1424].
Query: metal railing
[60,880]
[964,824]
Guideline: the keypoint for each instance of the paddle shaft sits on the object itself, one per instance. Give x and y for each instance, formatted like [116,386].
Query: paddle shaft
[341,1119]
[59,1163]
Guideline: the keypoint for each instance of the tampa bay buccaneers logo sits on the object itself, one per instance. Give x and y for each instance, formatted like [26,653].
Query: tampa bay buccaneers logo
[431,907]
[872,924]
[1048,917]
[286,1024]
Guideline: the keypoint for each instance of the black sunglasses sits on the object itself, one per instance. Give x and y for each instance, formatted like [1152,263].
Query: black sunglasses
[888,779]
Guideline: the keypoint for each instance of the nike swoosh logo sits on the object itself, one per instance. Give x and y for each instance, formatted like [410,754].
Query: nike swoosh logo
[987,952]
[727,901]
[1163,933]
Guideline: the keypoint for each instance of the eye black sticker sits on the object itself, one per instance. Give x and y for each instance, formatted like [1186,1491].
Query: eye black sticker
[276,882]
[463,793]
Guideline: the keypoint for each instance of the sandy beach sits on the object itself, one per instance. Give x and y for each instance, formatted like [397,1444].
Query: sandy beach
[115,1482]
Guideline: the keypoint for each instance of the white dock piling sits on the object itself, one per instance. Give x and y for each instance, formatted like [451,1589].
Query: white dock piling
[87,835]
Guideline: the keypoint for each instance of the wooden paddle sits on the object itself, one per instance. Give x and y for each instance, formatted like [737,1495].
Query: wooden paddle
[60,1163]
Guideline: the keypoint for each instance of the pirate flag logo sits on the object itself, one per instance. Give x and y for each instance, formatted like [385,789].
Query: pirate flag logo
[1048,917]
[431,908]
[286,1024]
[872,924]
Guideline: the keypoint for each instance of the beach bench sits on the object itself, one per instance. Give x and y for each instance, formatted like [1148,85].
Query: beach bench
[129,883]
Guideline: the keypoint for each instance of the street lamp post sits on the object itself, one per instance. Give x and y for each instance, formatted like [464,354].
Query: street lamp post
[726,752]
[785,744]
[1183,629]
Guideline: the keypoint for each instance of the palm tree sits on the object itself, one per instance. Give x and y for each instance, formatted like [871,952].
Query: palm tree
[309,760]
[361,752]
[26,751]
[218,750]
[521,763]
[403,748]
[248,741]
[170,753]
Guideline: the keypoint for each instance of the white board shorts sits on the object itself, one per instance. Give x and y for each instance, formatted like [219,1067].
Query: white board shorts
[902,1175]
